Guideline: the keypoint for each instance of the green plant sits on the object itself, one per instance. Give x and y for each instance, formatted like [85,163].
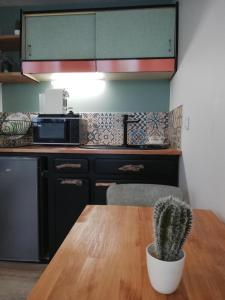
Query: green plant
[172,223]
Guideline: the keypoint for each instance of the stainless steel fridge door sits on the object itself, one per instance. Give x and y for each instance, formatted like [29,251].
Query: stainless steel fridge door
[19,230]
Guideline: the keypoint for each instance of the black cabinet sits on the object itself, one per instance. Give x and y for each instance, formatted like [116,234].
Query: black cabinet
[77,180]
[68,195]
[160,168]
[71,197]
[69,182]
[151,169]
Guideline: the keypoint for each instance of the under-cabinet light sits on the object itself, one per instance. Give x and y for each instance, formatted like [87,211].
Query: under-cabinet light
[78,76]
[80,88]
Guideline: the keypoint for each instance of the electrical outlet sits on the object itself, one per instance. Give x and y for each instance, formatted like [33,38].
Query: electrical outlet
[187,123]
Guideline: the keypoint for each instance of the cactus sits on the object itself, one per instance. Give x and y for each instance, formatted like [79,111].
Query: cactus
[172,223]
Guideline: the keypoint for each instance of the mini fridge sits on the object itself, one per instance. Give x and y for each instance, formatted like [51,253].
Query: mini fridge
[20,229]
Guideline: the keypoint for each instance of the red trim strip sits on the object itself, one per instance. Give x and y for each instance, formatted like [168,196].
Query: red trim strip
[37,67]
[105,66]
[136,65]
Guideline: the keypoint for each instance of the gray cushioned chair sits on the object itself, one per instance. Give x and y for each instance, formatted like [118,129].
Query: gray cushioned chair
[140,194]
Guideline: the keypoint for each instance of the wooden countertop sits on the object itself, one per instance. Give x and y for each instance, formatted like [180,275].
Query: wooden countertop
[103,257]
[77,150]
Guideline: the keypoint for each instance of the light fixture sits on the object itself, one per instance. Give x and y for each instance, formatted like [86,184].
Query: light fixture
[78,76]
[82,85]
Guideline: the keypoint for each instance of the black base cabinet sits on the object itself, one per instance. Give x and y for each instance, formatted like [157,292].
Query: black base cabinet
[77,180]
[68,195]
[71,197]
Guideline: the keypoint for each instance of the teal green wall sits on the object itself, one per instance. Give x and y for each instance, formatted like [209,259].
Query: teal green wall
[118,96]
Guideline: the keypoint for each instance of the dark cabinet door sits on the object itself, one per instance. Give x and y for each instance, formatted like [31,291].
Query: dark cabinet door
[100,187]
[71,196]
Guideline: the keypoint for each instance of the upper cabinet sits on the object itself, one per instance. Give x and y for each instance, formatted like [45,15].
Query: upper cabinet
[136,33]
[122,43]
[112,34]
[59,36]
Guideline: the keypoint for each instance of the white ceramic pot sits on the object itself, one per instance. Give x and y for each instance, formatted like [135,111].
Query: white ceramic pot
[164,276]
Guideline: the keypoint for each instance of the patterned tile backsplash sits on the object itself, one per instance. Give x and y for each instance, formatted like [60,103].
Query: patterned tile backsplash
[104,128]
[175,127]
[107,128]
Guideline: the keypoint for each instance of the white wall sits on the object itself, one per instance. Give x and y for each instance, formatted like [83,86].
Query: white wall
[0,97]
[200,86]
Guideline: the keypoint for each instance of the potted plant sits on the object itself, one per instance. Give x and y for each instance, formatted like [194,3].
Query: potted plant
[165,257]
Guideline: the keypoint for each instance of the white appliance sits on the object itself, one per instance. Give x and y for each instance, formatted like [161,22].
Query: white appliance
[53,101]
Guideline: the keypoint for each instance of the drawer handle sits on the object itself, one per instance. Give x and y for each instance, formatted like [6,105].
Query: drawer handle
[131,168]
[104,184]
[70,166]
[29,50]
[170,45]
[76,182]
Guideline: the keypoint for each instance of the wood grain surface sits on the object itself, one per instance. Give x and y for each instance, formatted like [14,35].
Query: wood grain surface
[103,258]
[9,42]
[77,150]
[14,77]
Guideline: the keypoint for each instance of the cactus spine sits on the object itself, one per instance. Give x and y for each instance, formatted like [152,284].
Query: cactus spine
[172,223]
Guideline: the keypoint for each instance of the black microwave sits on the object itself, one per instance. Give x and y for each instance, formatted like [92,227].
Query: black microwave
[59,129]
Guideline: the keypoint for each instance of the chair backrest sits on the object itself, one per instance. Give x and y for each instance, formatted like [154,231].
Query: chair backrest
[139,194]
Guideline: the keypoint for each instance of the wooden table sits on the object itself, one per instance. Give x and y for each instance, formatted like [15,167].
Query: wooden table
[103,258]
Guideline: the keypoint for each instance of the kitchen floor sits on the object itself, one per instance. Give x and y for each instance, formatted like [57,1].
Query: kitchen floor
[17,279]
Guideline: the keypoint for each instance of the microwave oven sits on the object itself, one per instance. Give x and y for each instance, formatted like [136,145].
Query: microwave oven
[59,129]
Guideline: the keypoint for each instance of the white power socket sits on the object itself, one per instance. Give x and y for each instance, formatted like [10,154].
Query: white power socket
[187,123]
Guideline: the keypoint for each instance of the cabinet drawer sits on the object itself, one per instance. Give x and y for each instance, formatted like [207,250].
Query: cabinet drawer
[71,165]
[155,167]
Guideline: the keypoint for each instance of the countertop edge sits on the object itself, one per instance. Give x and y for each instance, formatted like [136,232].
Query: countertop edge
[77,150]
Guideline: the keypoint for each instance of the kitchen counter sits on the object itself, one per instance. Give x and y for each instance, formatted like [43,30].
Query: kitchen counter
[77,150]
[101,259]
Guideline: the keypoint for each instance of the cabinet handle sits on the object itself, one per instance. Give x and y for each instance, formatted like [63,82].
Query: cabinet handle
[104,184]
[170,45]
[76,182]
[131,168]
[71,166]
[29,50]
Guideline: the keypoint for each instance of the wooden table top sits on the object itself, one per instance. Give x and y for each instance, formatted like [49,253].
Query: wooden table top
[77,150]
[103,258]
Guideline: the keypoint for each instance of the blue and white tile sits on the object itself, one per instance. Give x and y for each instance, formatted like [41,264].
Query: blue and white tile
[104,128]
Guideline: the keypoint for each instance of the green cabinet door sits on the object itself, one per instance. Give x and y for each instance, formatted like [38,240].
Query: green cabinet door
[63,36]
[136,33]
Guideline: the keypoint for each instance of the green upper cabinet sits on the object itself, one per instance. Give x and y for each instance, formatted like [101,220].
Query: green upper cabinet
[136,33]
[59,36]
[111,34]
